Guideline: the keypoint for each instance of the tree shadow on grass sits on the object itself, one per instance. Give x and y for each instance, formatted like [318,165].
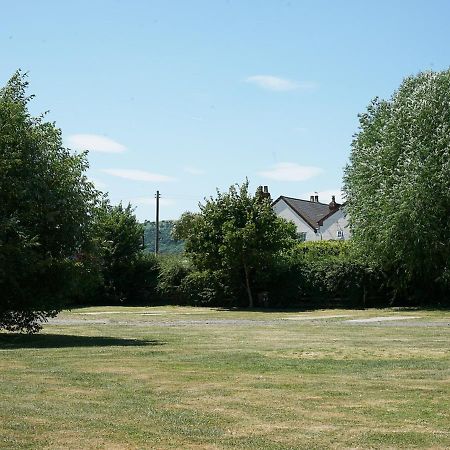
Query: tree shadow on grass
[10,341]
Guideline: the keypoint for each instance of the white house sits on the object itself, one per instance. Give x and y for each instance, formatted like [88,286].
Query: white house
[315,221]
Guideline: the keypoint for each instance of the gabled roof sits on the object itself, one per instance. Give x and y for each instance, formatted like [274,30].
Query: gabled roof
[313,213]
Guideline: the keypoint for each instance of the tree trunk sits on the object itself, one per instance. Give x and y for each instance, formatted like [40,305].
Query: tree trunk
[247,284]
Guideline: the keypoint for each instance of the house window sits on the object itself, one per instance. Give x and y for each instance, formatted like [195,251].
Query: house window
[340,234]
[301,236]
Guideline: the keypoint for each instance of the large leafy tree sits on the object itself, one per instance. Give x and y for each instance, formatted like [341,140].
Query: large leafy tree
[237,234]
[46,203]
[117,239]
[398,183]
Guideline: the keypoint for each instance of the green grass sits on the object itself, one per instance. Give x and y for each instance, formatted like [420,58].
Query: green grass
[166,378]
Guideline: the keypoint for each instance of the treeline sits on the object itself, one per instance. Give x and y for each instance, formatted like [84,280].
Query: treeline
[312,275]
[326,274]
[62,243]
[239,253]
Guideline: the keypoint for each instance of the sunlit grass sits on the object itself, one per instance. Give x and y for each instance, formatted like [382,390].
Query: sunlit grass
[171,377]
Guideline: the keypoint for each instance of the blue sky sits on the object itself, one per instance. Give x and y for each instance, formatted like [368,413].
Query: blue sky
[190,96]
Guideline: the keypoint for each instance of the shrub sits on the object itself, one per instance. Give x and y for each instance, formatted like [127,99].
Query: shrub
[172,270]
[137,279]
[203,288]
[331,271]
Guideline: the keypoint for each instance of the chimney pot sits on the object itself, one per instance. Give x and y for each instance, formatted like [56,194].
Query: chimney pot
[316,198]
[311,198]
[333,204]
[263,192]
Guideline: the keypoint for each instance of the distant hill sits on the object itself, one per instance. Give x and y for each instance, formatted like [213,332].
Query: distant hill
[166,243]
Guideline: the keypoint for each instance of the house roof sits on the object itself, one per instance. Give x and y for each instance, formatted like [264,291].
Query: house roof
[313,213]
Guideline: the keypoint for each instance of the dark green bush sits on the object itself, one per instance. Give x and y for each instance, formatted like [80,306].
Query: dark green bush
[172,271]
[203,289]
[129,281]
[137,280]
[89,286]
[330,271]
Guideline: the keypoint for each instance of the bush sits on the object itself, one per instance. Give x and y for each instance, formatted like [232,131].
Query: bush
[330,272]
[203,289]
[88,282]
[172,271]
[133,281]
[137,279]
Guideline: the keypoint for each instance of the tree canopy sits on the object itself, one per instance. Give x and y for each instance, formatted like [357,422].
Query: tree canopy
[118,245]
[237,234]
[398,182]
[46,203]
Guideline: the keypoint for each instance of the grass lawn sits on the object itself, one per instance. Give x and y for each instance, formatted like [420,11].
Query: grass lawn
[199,378]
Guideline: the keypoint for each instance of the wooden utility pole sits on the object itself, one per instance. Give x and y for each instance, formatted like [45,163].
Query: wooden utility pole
[157,224]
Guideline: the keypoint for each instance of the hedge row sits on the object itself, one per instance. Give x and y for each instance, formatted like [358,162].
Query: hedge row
[316,274]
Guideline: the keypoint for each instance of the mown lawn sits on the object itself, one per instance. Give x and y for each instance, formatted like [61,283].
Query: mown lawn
[198,378]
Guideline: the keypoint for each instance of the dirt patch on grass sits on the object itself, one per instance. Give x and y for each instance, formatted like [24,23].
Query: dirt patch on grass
[337,316]
[381,319]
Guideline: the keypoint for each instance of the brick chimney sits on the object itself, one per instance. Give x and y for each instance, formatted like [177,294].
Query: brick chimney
[263,192]
[333,205]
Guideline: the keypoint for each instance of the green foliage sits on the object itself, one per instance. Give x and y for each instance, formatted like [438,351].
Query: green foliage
[331,271]
[139,280]
[398,184]
[183,227]
[236,235]
[115,269]
[117,243]
[204,288]
[173,269]
[45,206]
[167,242]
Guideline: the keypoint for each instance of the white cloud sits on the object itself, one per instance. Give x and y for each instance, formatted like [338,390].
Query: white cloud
[94,143]
[291,172]
[193,170]
[325,195]
[273,83]
[138,175]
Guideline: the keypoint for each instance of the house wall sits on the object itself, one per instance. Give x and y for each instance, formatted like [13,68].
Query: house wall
[285,211]
[337,222]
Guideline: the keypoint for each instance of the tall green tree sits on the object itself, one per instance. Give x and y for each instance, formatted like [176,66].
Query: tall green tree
[398,183]
[237,234]
[46,203]
[118,250]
